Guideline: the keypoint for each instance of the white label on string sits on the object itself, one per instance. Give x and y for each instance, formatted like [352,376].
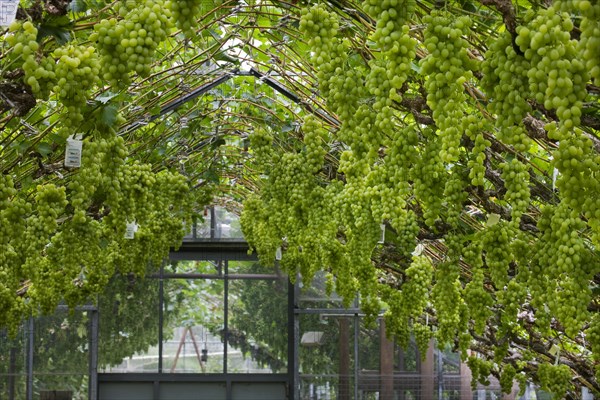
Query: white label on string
[73,152]
[8,11]
[418,250]
[382,240]
[130,230]
[554,177]
[278,254]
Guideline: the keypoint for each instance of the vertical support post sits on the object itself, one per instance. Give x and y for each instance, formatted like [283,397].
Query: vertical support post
[226,317]
[465,382]
[356,355]
[93,379]
[213,222]
[344,353]
[386,364]
[12,372]
[427,376]
[160,317]
[29,388]
[292,355]
[440,373]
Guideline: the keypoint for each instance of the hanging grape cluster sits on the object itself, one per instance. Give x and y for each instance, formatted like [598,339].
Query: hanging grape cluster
[128,45]
[505,77]
[555,379]
[447,68]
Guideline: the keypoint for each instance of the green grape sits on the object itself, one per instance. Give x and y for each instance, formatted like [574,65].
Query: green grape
[423,337]
[516,182]
[428,176]
[507,378]
[504,77]
[454,195]
[415,291]
[476,297]
[39,71]
[474,127]
[185,14]
[447,301]
[480,370]
[128,45]
[77,73]
[447,67]
[496,241]
[557,77]
[555,379]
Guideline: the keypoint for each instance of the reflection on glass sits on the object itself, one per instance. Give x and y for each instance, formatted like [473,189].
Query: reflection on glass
[250,267]
[227,225]
[195,311]
[128,326]
[318,295]
[13,361]
[258,320]
[61,354]
[197,267]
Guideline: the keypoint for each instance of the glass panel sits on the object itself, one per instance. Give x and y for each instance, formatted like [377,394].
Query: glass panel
[315,295]
[450,361]
[128,326]
[13,364]
[326,355]
[60,354]
[258,321]
[193,326]
[408,359]
[228,225]
[250,267]
[197,267]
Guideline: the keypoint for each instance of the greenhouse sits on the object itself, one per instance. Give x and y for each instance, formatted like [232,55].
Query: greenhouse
[299,200]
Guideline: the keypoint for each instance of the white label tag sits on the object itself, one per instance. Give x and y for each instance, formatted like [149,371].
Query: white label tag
[130,230]
[382,240]
[73,153]
[554,177]
[418,250]
[278,254]
[8,11]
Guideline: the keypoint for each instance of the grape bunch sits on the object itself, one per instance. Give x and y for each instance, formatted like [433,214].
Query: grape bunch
[423,335]
[77,72]
[447,67]
[184,13]
[39,75]
[447,301]
[496,241]
[504,77]
[557,77]
[589,40]
[128,45]
[415,291]
[507,378]
[476,297]
[516,182]
[474,127]
[555,379]
[429,177]
[454,196]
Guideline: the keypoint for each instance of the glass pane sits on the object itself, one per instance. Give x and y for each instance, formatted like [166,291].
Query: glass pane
[128,326]
[228,225]
[196,267]
[250,267]
[258,322]
[60,354]
[13,364]
[315,295]
[326,355]
[193,326]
